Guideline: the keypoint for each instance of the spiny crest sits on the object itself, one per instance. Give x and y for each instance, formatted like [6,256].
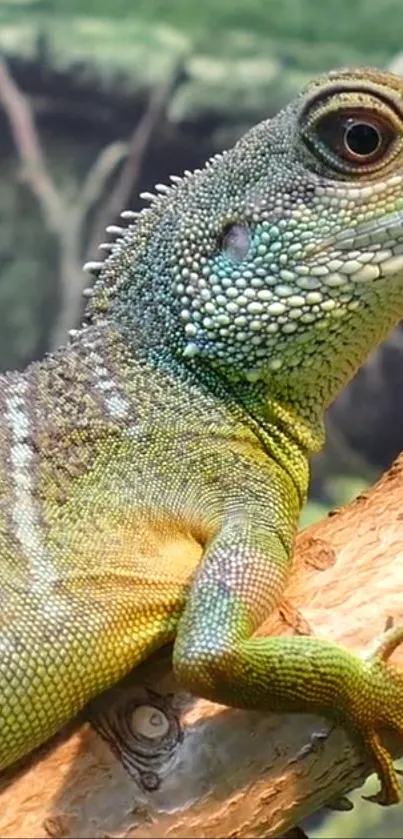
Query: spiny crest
[94,266]
[162,191]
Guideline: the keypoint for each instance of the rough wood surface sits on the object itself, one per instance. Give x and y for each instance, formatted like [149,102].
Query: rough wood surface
[202,770]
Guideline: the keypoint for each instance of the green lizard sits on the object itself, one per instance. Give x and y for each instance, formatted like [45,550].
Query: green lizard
[152,471]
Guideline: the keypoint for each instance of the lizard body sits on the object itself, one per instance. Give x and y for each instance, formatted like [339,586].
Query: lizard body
[153,470]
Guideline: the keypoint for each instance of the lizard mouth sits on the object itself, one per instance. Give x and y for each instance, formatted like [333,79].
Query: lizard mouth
[385,232]
[373,250]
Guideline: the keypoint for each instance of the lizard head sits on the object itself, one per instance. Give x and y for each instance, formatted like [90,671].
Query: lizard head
[282,260]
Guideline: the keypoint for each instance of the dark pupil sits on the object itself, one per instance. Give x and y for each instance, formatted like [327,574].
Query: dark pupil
[362,139]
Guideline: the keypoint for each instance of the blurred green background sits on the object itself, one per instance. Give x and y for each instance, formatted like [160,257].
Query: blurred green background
[118,94]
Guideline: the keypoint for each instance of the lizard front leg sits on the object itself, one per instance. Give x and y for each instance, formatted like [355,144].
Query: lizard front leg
[240,579]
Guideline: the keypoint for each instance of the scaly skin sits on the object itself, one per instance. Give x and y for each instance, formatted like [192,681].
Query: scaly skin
[152,472]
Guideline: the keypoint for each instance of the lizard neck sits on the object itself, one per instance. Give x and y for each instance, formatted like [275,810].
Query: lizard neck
[94,394]
[289,388]
[120,373]
[288,437]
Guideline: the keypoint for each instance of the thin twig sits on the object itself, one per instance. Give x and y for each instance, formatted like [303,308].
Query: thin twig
[137,147]
[35,171]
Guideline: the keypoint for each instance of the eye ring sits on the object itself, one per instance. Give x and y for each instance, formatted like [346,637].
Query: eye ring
[352,138]
[358,138]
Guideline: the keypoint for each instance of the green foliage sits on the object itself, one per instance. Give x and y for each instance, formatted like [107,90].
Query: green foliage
[244,57]
[342,489]
[365,24]
[312,512]
[25,289]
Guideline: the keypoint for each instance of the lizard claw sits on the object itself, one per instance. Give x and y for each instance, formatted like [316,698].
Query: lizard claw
[384,708]
[378,798]
[390,791]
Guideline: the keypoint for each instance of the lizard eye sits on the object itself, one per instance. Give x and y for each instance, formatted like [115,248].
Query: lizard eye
[351,131]
[235,242]
[357,138]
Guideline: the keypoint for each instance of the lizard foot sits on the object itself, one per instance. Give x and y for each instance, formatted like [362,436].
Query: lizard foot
[383,708]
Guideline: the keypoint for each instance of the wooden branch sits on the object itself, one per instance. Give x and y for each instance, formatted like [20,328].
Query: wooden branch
[61,218]
[98,175]
[35,172]
[199,769]
[68,220]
